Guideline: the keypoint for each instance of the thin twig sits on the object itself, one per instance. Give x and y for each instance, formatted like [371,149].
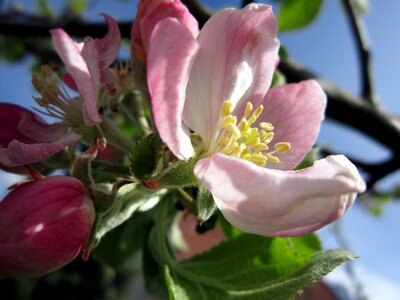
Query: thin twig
[364,53]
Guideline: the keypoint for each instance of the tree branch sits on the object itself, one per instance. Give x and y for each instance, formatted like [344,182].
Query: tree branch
[198,10]
[350,110]
[364,53]
[246,2]
[30,26]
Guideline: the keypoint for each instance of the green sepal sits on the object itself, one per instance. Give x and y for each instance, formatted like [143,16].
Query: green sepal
[178,175]
[145,156]
[205,204]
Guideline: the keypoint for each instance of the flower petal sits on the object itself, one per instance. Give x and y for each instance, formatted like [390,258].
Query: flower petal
[296,111]
[38,130]
[172,47]
[235,61]
[108,46]
[280,203]
[18,154]
[79,70]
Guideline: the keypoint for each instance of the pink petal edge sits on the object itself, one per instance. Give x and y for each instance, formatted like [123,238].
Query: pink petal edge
[172,48]
[296,111]
[280,203]
[77,67]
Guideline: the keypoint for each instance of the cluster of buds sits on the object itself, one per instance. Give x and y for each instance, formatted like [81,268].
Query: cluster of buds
[219,128]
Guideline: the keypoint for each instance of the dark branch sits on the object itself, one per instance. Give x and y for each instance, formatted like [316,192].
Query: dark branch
[364,53]
[350,110]
[246,2]
[39,27]
[201,12]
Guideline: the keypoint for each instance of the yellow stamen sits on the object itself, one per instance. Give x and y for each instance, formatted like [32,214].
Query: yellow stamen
[272,158]
[226,108]
[247,142]
[259,159]
[249,109]
[282,147]
[266,126]
[228,120]
[232,128]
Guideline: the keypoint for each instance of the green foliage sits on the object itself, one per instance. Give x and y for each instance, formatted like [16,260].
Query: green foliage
[45,9]
[122,242]
[375,203]
[145,156]
[77,6]
[244,267]
[278,78]
[205,204]
[130,199]
[12,49]
[178,175]
[253,267]
[309,159]
[296,14]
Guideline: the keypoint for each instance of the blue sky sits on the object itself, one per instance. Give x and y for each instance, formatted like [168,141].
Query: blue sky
[327,48]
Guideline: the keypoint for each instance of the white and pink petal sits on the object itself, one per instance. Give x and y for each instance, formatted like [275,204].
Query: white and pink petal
[296,112]
[235,61]
[280,203]
[171,51]
[79,70]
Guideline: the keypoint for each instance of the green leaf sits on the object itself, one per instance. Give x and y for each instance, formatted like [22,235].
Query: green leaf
[278,79]
[11,48]
[309,159]
[178,175]
[77,6]
[205,204]
[145,156]
[45,8]
[253,267]
[122,242]
[130,199]
[296,14]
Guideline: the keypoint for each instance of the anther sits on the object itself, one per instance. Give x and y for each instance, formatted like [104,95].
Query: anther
[249,109]
[226,108]
[266,126]
[228,120]
[282,147]
[232,128]
[272,158]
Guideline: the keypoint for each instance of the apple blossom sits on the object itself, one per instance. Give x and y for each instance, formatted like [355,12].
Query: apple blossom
[44,224]
[88,64]
[211,100]
[27,139]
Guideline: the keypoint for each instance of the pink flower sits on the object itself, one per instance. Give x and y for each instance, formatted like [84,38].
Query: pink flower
[26,138]
[88,65]
[211,100]
[149,13]
[44,224]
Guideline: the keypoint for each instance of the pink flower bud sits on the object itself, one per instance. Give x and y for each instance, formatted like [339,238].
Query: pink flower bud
[27,139]
[44,225]
[149,13]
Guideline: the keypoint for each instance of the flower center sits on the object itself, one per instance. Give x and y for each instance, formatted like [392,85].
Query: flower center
[244,141]
[55,99]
